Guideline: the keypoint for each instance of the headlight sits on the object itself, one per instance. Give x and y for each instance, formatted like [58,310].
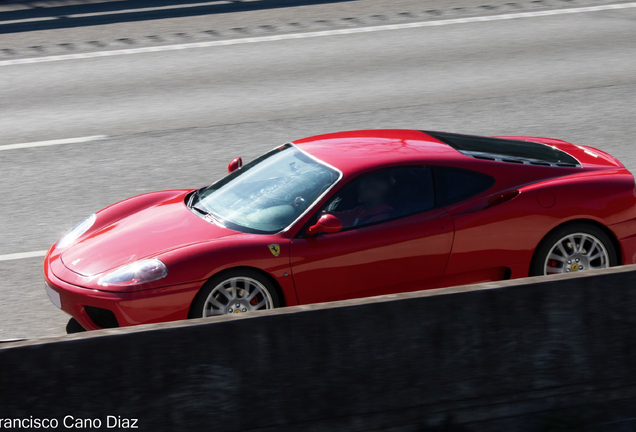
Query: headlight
[79,229]
[139,272]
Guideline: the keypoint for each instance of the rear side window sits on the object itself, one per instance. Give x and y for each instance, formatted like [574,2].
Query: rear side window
[455,185]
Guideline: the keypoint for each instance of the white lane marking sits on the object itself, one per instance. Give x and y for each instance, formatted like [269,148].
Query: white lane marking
[41,253]
[28,20]
[23,255]
[148,9]
[52,142]
[316,34]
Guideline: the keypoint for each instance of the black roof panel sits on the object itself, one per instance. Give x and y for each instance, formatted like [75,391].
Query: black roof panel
[506,150]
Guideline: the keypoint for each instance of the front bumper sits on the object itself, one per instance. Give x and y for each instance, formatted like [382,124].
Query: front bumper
[131,308]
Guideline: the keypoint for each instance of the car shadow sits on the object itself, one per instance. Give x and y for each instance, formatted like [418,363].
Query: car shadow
[50,14]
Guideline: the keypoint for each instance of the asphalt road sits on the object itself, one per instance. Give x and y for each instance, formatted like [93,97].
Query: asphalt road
[174,119]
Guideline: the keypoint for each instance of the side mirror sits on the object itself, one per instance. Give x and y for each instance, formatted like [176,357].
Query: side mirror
[326,224]
[234,165]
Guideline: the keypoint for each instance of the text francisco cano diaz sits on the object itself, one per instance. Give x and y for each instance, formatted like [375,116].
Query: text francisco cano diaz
[69,423]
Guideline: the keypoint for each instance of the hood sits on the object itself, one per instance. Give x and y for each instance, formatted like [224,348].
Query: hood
[166,226]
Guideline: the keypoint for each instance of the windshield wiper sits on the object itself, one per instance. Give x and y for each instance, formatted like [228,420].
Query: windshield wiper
[200,210]
[208,216]
[193,197]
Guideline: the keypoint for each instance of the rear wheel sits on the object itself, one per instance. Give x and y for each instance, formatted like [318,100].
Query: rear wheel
[573,248]
[233,292]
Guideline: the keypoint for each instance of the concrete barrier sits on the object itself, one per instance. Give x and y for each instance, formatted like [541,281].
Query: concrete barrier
[514,355]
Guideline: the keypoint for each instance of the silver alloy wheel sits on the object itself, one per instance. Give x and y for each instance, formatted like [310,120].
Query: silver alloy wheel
[237,295]
[576,252]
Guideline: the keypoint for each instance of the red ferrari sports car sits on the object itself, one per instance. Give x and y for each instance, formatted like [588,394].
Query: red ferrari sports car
[347,215]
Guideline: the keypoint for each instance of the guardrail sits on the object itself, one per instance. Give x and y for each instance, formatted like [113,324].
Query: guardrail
[499,356]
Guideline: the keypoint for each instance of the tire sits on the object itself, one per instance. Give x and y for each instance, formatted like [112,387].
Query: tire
[253,291]
[575,256]
[74,327]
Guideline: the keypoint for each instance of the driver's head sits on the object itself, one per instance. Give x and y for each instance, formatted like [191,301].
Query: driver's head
[374,190]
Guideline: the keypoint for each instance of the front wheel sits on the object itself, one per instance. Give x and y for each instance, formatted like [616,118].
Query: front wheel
[573,248]
[233,292]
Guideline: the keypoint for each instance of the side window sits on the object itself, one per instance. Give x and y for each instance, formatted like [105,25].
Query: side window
[455,185]
[383,195]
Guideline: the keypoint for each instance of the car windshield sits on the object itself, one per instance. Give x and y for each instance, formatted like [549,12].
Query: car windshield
[269,193]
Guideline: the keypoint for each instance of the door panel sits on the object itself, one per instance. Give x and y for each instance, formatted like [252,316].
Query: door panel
[407,254]
[495,243]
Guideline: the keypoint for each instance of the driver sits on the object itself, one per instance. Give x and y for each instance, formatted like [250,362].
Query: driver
[373,194]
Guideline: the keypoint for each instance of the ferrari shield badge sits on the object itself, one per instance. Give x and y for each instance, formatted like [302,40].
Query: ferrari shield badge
[274,249]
